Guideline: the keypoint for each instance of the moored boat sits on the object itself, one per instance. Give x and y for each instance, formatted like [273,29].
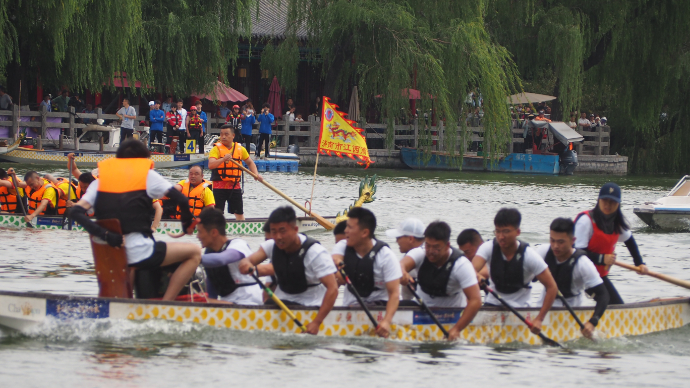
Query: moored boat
[671,212]
[492,325]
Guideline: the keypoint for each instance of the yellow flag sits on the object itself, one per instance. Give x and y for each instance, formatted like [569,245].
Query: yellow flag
[340,137]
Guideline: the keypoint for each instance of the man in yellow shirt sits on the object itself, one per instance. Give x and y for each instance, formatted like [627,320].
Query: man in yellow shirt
[197,190]
[225,175]
[42,196]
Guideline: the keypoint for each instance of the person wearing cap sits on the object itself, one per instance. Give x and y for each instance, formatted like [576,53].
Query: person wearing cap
[598,230]
[409,235]
[445,277]
[156,120]
[194,125]
[173,120]
[234,119]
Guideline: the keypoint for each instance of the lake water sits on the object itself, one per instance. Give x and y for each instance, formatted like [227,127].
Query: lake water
[156,353]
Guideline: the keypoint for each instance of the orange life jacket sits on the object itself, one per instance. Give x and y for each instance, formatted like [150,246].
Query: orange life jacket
[195,123]
[34,199]
[62,203]
[195,197]
[8,199]
[228,171]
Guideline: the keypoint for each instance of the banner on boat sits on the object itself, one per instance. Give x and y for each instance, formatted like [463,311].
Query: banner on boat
[340,137]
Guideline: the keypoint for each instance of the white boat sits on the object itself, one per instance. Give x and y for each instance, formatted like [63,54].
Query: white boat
[671,212]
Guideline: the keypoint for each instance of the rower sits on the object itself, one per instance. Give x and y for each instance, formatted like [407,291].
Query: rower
[512,266]
[9,200]
[409,235]
[84,178]
[469,240]
[196,189]
[64,188]
[221,262]
[339,231]
[573,273]
[598,230]
[42,196]
[304,271]
[124,191]
[226,175]
[371,266]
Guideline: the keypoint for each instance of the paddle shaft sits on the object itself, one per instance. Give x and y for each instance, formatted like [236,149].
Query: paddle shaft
[19,197]
[544,338]
[354,292]
[428,311]
[660,276]
[322,221]
[69,193]
[279,302]
[567,305]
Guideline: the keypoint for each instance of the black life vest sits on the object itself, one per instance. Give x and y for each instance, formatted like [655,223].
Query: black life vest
[563,272]
[221,278]
[434,280]
[289,268]
[361,271]
[508,276]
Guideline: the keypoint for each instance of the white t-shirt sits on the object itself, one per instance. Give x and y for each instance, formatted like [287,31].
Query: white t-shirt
[317,264]
[532,266]
[127,122]
[583,122]
[183,115]
[137,246]
[405,294]
[247,295]
[584,231]
[585,276]
[463,276]
[386,269]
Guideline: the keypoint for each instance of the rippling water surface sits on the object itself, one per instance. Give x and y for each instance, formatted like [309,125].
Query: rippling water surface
[156,353]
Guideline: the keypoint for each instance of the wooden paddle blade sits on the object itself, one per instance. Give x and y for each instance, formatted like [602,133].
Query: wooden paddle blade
[112,272]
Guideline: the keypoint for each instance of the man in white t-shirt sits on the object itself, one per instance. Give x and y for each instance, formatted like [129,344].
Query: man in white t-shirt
[371,266]
[512,266]
[183,126]
[124,190]
[302,267]
[573,272]
[445,277]
[583,122]
[127,114]
[409,235]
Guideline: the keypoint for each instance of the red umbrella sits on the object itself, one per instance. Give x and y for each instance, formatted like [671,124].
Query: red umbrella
[274,98]
[222,92]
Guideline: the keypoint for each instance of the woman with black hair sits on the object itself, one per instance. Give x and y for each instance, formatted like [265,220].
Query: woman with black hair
[598,230]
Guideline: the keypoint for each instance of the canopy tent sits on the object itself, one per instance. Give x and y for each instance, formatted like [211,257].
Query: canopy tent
[526,98]
[560,130]
[222,92]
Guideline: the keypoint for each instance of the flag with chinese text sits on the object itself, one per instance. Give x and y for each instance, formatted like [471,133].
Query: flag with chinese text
[340,137]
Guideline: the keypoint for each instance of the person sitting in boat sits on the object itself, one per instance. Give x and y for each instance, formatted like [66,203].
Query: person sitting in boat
[84,178]
[339,231]
[42,196]
[445,277]
[221,262]
[226,175]
[303,268]
[195,187]
[125,189]
[409,235]
[598,230]
[469,241]
[64,186]
[573,273]
[371,266]
[512,265]
[9,200]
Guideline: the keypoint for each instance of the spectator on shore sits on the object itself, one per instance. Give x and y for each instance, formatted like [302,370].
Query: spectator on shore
[127,114]
[5,99]
[592,121]
[235,119]
[247,125]
[77,103]
[248,108]
[204,120]
[583,122]
[223,110]
[548,110]
[156,121]
[45,102]
[265,120]
[60,103]
[572,123]
[290,114]
[88,109]
[167,105]
[299,118]
[289,103]
[183,125]
[317,107]
[173,120]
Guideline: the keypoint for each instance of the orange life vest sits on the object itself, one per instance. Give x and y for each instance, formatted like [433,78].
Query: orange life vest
[62,203]
[228,172]
[8,199]
[34,199]
[195,123]
[195,197]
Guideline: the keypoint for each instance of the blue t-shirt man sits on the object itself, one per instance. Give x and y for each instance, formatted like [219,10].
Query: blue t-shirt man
[156,118]
[265,120]
[247,123]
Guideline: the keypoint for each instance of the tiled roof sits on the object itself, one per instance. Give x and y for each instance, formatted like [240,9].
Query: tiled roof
[272,20]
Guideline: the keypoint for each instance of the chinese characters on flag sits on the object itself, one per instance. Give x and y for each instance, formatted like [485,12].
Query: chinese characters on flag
[339,136]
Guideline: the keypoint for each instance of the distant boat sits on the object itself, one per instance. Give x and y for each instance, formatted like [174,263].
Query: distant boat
[6,147]
[671,212]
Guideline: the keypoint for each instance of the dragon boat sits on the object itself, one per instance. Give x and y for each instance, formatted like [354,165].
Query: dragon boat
[492,325]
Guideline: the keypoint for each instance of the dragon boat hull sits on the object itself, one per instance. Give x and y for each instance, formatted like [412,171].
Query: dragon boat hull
[9,147]
[86,159]
[233,227]
[492,325]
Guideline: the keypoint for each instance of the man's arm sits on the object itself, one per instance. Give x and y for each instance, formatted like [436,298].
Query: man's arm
[326,305]
[157,217]
[551,291]
[393,288]
[248,263]
[219,259]
[42,207]
[78,213]
[337,260]
[474,303]
[6,184]
[407,264]
[119,115]
[601,296]
[214,163]
[75,171]
[479,263]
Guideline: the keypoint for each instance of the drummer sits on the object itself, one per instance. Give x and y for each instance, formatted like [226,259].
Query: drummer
[598,230]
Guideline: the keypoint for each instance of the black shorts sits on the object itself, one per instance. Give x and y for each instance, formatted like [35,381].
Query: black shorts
[156,258]
[232,196]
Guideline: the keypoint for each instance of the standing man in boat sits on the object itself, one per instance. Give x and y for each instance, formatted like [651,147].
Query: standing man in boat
[197,190]
[221,262]
[409,235]
[371,266]
[303,268]
[225,175]
[445,277]
[125,189]
[512,266]
[42,196]
[598,230]
[573,272]
[9,198]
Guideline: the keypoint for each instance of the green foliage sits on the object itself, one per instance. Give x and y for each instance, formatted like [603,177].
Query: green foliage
[282,61]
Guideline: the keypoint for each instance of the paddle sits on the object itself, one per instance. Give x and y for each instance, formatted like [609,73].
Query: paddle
[69,194]
[428,311]
[254,272]
[322,221]
[19,197]
[567,306]
[544,338]
[353,290]
[660,276]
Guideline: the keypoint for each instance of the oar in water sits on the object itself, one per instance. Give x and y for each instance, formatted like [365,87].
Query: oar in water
[254,272]
[428,311]
[19,197]
[353,290]
[660,276]
[572,312]
[324,222]
[541,335]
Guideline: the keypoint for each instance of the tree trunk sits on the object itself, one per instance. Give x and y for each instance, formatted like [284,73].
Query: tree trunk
[556,107]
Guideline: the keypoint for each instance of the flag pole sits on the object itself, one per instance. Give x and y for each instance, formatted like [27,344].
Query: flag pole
[316,164]
[318,152]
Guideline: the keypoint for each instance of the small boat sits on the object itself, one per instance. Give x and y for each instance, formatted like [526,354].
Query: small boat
[671,212]
[233,227]
[492,325]
[6,146]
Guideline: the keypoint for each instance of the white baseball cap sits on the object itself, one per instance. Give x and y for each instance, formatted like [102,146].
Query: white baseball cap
[410,227]
[151,103]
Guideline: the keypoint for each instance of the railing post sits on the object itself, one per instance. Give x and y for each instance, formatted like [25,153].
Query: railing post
[15,121]
[72,132]
[44,126]
[416,132]
[314,131]
[286,137]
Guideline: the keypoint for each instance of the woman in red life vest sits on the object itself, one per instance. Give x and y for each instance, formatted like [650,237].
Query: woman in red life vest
[598,230]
